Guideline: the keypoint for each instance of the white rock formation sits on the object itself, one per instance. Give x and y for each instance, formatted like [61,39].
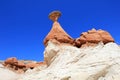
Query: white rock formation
[6,74]
[71,63]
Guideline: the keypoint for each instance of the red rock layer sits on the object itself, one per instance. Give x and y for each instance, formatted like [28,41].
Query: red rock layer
[93,36]
[58,34]
[21,66]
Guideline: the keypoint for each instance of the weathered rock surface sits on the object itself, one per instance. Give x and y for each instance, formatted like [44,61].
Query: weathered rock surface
[12,61]
[21,66]
[34,64]
[58,34]
[90,38]
[93,37]
[6,74]
[67,62]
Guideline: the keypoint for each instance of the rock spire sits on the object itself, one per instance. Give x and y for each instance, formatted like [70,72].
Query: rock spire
[57,32]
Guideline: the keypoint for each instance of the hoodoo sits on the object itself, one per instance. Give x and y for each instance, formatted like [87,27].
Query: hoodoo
[57,32]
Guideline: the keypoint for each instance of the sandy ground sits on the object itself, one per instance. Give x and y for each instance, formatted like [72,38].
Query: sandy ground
[6,74]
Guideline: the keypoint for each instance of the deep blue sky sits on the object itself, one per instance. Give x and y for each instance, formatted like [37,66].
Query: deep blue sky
[25,23]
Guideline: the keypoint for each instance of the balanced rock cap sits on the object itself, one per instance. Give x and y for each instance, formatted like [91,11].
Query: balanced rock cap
[54,15]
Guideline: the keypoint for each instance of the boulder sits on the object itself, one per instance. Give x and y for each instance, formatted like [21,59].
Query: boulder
[106,37]
[12,61]
[93,37]
[20,66]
